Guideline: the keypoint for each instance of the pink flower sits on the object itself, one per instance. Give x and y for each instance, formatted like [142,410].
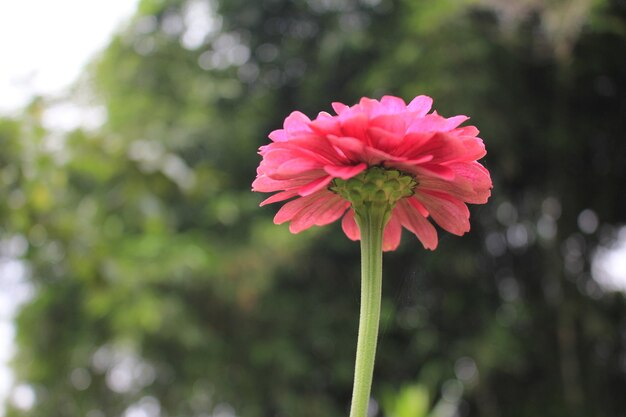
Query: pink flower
[307,156]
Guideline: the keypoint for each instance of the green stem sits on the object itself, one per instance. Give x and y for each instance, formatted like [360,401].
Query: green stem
[371,221]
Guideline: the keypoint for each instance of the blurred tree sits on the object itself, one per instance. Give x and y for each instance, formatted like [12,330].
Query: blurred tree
[162,288]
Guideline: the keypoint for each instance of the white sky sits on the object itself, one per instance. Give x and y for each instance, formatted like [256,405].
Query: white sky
[44,45]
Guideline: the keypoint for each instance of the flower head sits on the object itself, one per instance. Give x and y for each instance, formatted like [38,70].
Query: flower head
[420,165]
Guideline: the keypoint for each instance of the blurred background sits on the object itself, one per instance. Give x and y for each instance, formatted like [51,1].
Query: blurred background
[139,277]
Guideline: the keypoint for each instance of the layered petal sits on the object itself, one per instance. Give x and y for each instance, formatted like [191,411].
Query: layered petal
[345,172]
[449,213]
[413,220]
[420,105]
[283,195]
[321,208]
[325,209]
[392,234]
[349,226]
[314,186]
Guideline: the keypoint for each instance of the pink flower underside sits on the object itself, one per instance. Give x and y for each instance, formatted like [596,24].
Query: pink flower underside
[305,156]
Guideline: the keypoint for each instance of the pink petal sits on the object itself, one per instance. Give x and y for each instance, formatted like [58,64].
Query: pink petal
[283,195]
[339,107]
[349,226]
[315,186]
[297,122]
[383,139]
[294,167]
[392,103]
[412,143]
[443,147]
[275,156]
[293,207]
[439,171]
[278,135]
[345,172]
[428,123]
[418,206]
[390,122]
[448,212]
[325,209]
[410,218]
[474,149]
[453,122]
[375,156]
[479,178]
[326,124]
[331,214]
[265,184]
[421,105]
[435,123]
[460,189]
[318,148]
[474,172]
[354,125]
[392,235]
[425,170]
[472,183]
[324,115]
[352,148]
[420,160]
[369,107]
[466,131]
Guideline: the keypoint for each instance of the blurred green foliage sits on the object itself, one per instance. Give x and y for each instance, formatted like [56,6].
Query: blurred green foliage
[411,401]
[161,288]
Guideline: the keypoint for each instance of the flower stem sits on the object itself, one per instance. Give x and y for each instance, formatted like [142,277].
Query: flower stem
[371,220]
